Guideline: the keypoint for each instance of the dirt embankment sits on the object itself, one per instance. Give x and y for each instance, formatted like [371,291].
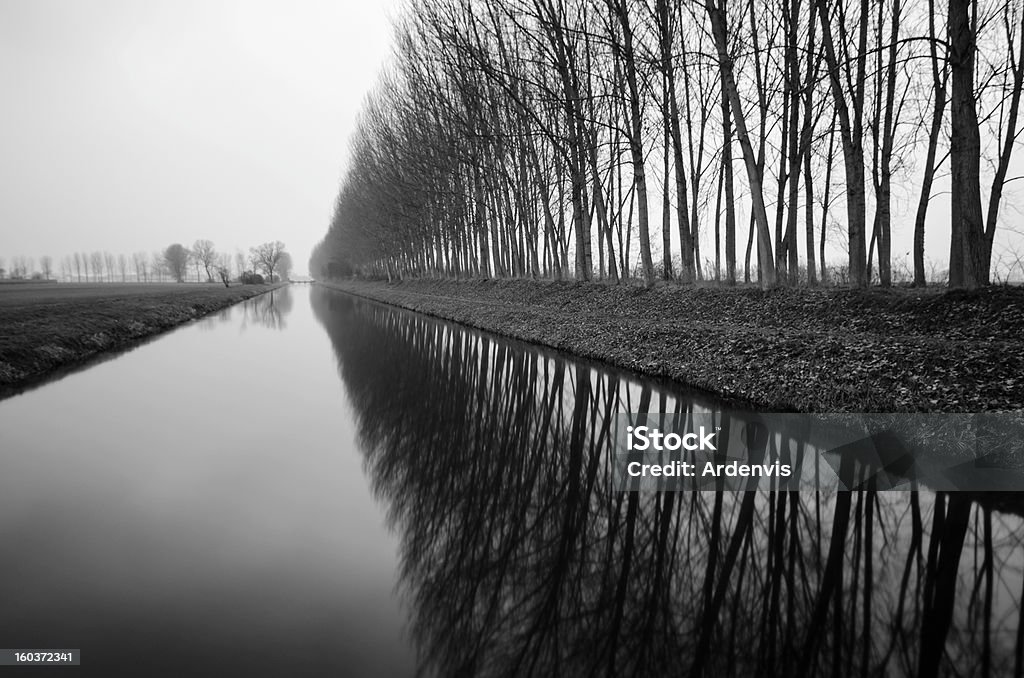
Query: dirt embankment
[810,350]
[50,328]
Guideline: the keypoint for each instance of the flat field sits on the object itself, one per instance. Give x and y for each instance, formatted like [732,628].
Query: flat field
[45,327]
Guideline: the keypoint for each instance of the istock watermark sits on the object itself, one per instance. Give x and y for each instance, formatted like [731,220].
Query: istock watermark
[644,438]
[743,451]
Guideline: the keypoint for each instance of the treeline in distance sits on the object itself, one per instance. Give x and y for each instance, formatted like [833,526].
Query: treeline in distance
[174,263]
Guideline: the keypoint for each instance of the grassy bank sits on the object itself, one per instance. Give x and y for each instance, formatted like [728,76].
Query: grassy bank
[787,349]
[49,327]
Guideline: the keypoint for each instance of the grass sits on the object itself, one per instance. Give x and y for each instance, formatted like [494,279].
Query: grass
[46,327]
[809,350]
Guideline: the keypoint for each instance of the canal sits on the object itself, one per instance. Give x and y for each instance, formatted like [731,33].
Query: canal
[312,484]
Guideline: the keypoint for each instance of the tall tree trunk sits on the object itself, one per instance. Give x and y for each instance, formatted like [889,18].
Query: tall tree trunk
[793,78]
[682,200]
[806,134]
[968,257]
[716,14]
[730,195]
[636,150]
[888,132]
[1008,141]
[938,110]
[666,206]
[851,123]
[825,200]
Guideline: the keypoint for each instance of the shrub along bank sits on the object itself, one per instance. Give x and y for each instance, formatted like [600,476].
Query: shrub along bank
[812,350]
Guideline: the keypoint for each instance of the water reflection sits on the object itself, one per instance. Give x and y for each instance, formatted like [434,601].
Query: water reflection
[268,310]
[213,320]
[520,558]
[197,507]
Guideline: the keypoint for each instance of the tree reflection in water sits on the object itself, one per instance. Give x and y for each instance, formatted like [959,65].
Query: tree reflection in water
[268,309]
[519,557]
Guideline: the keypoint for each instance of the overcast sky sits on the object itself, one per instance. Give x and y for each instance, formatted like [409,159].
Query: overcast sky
[127,125]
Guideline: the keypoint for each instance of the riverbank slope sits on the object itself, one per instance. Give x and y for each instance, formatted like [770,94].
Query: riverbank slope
[50,327]
[812,350]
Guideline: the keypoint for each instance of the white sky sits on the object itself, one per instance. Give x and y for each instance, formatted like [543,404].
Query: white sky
[126,125]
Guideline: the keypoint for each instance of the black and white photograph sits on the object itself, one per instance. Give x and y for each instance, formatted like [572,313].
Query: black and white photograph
[501,338]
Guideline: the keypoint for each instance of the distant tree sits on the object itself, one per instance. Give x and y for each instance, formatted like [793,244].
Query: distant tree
[109,261]
[192,261]
[139,264]
[157,266]
[284,267]
[223,268]
[176,260]
[240,261]
[268,256]
[96,263]
[122,266]
[46,264]
[205,254]
[19,268]
[78,266]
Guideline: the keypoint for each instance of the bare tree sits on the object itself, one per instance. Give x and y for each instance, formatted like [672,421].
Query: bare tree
[46,264]
[634,132]
[96,261]
[223,268]
[157,266]
[240,262]
[848,100]
[139,265]
[1008,132]
[205,254]
[267,256]
[764,246]
[940,78]
[109,261]
[967,256]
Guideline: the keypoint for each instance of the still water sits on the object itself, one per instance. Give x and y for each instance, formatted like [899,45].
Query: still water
[311,484]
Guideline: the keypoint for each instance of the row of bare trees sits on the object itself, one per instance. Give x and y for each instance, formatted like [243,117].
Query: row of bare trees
[514,138]
[271,258]
[24,268]
[201,263]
